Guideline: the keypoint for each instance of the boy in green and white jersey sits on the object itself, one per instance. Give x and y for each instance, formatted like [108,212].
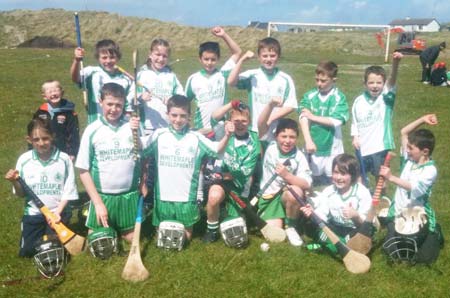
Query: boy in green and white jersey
[372,115]
[107,52]
[108,169]
[323,110]
[238,164]
[208,87]
[179,153]
[264,83]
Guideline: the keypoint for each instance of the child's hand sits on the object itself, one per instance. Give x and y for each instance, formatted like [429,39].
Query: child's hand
[397,56]
[385,172]
[430,119]
[79,54]
[56,220]
[355,142]
[146,96]
[310,147]
[218,31]
[307,210]
[306,113]
[349,212]
[102,214]
[11,175]
[248,55]
[134,122]
[281,170]
[276,101]
[229,128]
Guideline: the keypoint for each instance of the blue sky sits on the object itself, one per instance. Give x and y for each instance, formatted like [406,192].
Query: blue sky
[210,13]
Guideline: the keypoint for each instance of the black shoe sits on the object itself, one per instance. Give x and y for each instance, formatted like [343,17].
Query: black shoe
[210,236]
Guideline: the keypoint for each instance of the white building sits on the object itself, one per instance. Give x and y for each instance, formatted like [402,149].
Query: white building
[418,25]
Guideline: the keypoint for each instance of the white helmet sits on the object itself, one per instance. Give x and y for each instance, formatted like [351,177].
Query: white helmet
[171,235]
[50,257]
[234,232]
[102,242]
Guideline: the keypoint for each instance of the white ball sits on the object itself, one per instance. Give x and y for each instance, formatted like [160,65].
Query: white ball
[265,246]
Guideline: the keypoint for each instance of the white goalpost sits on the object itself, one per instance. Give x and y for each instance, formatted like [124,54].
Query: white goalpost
[270,25]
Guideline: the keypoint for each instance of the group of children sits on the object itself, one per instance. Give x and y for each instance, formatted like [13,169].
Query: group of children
[235,147]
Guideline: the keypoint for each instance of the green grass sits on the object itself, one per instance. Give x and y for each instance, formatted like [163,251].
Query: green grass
[215,270]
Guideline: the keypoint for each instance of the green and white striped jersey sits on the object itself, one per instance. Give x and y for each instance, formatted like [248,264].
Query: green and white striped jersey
[179,157]
[106,152]
[209,92]
[96,77]
[52,180]
[372,121]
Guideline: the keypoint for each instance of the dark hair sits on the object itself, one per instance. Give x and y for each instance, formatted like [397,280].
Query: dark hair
[108,46]
[422,139]
[179,101]
[271,44]
[209,46]
[378,70]
[328,68]
[347,164]
[442,45]
[112,89]
[243,109]
[286,123]
[40,123]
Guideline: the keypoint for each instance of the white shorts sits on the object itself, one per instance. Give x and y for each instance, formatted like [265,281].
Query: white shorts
[320,165]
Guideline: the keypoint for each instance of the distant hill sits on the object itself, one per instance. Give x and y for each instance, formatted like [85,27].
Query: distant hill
[19,26]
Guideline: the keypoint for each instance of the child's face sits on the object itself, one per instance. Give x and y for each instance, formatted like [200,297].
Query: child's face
[112,108]
[342,181]
[286,140]
[268,58]
[415,153]
[52,93]
[108,61]
[324,83]
[178,118]
[42,142]
[209,61]
[159,57]
[374,84]
[240,122]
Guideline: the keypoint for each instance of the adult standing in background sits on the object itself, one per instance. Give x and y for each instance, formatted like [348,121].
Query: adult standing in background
[427,59]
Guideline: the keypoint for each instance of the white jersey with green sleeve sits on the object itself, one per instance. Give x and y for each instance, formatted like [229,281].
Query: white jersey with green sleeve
[95,77]
[240,159]
[331,204]
[262,86]
[106,151]
[209,91]
[372,121]
[179,157]
[328,139]
[298,166]
[52,180]
[162,85]
[422,178]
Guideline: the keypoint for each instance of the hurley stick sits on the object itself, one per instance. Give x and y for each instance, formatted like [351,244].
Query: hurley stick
[362,241]
[83,82]
[135,108]
[255,199]
[134,269]
[354,262]
[72,242]
[270,232]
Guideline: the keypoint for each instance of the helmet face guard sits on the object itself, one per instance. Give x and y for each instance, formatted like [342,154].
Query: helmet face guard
[171,235]
[234,232]
[102,243]
[401,249]
[50,258]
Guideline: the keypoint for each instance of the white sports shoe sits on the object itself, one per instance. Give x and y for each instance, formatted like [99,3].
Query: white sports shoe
[293,237]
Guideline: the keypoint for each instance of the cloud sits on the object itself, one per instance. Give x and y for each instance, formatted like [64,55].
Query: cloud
[359,4]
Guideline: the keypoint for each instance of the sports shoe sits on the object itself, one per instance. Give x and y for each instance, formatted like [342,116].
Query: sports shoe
[293,237]
[210,236]
[426,82]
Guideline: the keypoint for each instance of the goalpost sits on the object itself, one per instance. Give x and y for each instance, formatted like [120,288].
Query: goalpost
[342,26]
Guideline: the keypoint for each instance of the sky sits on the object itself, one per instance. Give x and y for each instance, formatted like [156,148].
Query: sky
[205,13]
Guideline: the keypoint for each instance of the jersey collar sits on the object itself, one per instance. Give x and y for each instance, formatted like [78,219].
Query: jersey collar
[204,73]
[181,133]
[53,156]
[112,127]
[270,75]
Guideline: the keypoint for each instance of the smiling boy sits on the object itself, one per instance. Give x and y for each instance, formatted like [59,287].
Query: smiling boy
[372,115]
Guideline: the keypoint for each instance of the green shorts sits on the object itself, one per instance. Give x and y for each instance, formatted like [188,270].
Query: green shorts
[232,209]
[185,212]
[122,210]
[271,209]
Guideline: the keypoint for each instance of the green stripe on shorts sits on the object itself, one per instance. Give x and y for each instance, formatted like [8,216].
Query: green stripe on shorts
[122,210]
[185,212]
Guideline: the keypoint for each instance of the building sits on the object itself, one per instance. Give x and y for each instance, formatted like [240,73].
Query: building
[418,25]
[261,25]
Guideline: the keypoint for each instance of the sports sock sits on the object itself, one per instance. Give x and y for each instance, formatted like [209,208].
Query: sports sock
[212,225]
[290,222]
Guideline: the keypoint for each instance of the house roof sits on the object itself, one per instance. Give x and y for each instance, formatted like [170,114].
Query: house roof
[408,21]
[258,25]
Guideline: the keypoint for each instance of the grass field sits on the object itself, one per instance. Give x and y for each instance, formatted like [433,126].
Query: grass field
[215,270]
